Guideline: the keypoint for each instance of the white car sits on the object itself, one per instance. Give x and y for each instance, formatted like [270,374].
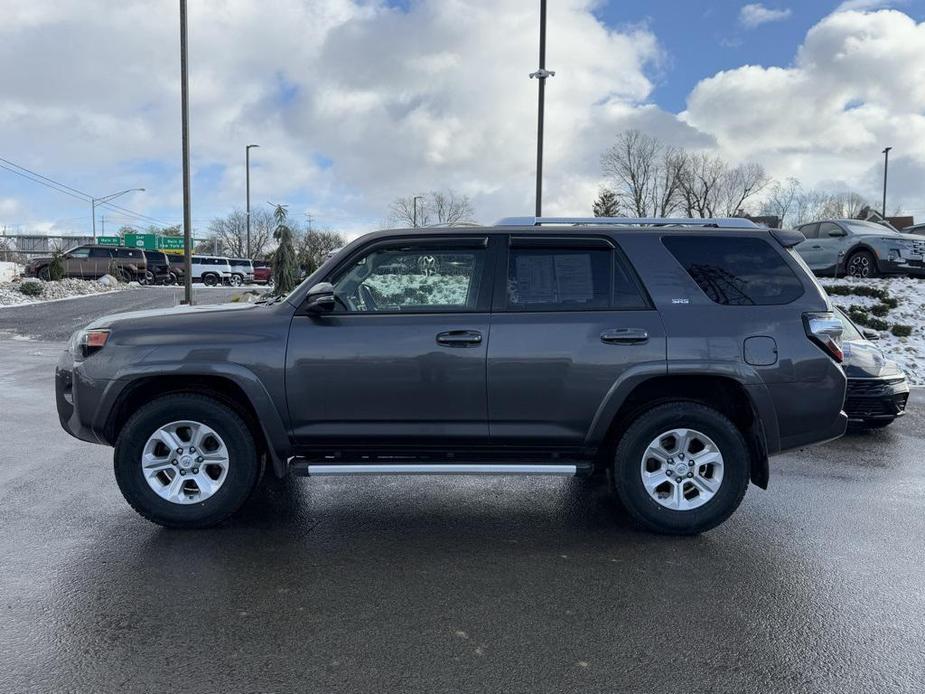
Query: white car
[242,271]
[211,270]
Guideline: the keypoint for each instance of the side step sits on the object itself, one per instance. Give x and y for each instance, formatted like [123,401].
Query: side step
[305,468]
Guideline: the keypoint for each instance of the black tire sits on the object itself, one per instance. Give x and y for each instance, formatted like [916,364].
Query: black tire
[627,473]
[44,274]
[862,264]
[236,280]
[124,275]
[171,279]
[209,280]
[244,466]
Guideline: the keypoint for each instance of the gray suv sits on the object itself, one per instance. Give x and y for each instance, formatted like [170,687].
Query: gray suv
[672,357]
[860,249]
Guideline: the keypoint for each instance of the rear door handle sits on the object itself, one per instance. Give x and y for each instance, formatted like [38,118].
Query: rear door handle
[624,336]
[459,338]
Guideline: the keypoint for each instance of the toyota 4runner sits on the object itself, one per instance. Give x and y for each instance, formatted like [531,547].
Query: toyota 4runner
[672,356]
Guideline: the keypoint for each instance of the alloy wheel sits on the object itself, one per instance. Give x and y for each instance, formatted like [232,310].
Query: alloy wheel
[682,469]
[859,266]
[185,462]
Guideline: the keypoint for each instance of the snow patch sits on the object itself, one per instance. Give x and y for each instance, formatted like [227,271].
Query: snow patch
[10,294]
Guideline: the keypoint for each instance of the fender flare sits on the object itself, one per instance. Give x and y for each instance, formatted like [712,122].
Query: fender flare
[859,246]
[268,416]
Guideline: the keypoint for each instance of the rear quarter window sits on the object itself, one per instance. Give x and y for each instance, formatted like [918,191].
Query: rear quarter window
[736,271]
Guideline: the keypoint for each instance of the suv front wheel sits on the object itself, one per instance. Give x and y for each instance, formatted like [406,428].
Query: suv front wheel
[186,461]
[681,468]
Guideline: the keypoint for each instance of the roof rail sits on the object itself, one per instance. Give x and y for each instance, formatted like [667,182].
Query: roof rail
[720,223]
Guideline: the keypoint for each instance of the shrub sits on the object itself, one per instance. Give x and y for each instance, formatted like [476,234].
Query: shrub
[901,330]
[877,324]
[56,267]
[880,310]
[32,288]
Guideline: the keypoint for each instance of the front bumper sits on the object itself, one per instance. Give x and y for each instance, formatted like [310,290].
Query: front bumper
[876,399]
[77,399]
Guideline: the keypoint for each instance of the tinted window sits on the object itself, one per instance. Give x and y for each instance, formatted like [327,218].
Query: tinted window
[79,253]
[412,278]
[810,231]
[100,253]
[736,271]
[129,253]
[568,279]
[826,229]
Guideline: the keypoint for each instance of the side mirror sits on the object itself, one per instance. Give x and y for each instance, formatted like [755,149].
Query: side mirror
[837,233]
[320,298]
[870,334]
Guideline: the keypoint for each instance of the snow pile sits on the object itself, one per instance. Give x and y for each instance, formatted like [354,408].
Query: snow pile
[10,294]
[411,289]
[908,352]
[9,270]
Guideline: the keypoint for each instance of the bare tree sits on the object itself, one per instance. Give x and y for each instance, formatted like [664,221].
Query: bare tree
[230,232]
[314,246]
[738,185]
[642,173]
[712,188]
[843,205]
[437,207]
[782,201]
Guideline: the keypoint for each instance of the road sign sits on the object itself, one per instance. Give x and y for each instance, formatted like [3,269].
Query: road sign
[171,243]
[109,240]
[146,241]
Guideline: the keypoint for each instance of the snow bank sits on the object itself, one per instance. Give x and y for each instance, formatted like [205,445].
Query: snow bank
[10,295]
[908,352]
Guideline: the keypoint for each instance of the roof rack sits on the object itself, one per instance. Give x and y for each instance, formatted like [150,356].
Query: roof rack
[719,223]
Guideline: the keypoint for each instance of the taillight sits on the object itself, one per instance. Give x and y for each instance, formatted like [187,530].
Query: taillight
[92,341]
[825,330]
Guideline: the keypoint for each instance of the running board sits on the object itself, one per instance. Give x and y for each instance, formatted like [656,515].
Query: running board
[307,469]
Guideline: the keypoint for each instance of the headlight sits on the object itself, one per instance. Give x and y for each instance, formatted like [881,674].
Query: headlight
[90,342]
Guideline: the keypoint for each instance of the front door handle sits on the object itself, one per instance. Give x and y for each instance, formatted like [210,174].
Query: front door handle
[624,336]
[459,338]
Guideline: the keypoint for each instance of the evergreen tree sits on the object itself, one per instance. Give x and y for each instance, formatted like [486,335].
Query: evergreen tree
[606,204]
[285,263]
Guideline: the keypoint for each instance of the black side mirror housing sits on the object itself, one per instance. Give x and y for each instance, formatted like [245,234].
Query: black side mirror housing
[870,334]
[836,234]
[320,298]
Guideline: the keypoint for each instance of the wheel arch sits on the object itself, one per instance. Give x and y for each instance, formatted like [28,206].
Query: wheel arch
[722,392]
[247,398]
[861,246]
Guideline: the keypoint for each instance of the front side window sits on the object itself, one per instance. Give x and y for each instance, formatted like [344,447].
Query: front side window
[829,230]
[412,278]
[736,271]
[79,253]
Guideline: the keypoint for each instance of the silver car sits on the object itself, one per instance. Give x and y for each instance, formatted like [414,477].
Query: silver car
[860,249]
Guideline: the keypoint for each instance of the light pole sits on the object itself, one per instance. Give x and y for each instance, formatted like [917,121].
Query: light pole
[247,166]
[414,204]
[106,198]
[184,136]
[541,76]
[886,165]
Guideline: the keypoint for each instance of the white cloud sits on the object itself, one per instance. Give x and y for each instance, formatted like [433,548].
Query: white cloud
[756,14]
[856,85]
[866,5]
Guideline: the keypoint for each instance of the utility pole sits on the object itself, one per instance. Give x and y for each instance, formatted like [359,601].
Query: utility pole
[541,76]
[103,221]
[184,129]
[414,204]
[886,166]
[106,198]
[247,166]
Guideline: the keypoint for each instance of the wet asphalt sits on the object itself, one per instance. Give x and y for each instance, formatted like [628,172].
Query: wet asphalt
[455,584]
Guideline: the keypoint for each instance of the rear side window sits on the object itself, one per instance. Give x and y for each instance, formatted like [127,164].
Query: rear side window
[100,253]
[736,271]
[569,279]
[129,253]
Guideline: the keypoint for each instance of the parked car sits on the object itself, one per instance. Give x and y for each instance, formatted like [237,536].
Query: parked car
[242,271]
[158,269]
[675,360]
[177,266]
[860,249]
[210,270]
[92,262]
[263,272]
[877,388]
[915,230]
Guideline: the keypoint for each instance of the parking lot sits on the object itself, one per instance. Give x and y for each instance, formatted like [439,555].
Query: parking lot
[443,584]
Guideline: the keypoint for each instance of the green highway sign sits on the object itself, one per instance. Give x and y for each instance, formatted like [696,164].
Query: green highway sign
[170,243]
[146,241]
[109,240]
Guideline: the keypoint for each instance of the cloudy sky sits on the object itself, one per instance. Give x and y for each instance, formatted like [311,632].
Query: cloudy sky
[356,102]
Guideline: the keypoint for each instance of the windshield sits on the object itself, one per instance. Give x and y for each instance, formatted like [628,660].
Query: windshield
[861,227]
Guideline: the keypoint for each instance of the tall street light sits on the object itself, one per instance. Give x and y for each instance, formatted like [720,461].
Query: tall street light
[541,76]
[184,130]
[886,165]
[414,204]
[106,198]
[247,166]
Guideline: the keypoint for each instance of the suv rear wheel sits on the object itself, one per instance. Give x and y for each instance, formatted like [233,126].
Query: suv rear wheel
[186,461]
[209,279]
[681,468]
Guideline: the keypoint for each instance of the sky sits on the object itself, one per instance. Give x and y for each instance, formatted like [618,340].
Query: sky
[357,102]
